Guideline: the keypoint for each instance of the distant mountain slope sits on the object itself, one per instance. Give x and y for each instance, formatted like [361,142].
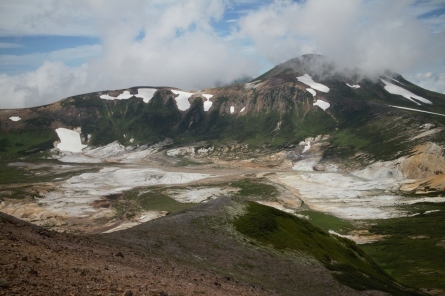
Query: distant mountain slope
[278,109]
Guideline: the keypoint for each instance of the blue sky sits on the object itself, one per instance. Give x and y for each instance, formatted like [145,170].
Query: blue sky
[51,49]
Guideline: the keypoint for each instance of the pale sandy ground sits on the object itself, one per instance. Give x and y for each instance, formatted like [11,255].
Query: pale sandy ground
[72,203]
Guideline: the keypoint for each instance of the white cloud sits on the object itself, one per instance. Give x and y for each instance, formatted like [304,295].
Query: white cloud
[375,35]
[179,45]
[11,64]
[179,48]
[51,82]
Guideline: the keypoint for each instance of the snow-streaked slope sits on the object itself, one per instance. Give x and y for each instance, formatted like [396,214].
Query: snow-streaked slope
[322,104]
[397,90]
[353,85]
[313,93]
[69,140]
[146,94]
[15,118]
[307,79]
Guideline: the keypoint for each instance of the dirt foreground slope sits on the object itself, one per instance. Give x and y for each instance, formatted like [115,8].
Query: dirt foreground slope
[34,261]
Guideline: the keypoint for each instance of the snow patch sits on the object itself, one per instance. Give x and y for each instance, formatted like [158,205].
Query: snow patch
[207,103]
[417,110]
[232,109]
[69,140]
[397,90]
[322,104]
[182,100]
[313,93]
[353,85]
[146,94]
[307,79]
[123,96]
[15,118]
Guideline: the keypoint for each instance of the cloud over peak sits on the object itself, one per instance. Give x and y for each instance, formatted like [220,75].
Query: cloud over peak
[194,43]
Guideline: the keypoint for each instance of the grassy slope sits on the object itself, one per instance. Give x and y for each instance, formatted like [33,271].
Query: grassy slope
[414,251]
[284,231]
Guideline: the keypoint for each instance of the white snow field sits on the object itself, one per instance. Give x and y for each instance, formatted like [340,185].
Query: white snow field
[182,100]
[146,94]
[207,103]
[307,79]
[69,140]
[417,110]
[232,109]
[123,96]
[313,92]
[75,195]
[353,85]
[397,90]
[322,104]
[15,118]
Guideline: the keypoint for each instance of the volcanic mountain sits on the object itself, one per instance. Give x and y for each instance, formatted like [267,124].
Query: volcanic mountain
[267,186]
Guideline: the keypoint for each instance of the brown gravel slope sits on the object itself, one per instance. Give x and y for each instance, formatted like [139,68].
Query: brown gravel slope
[34,261]
[204,237]
[194,252]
